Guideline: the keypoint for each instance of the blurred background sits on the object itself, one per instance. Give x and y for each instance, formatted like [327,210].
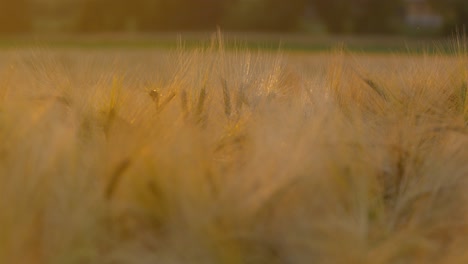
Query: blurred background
[369,17]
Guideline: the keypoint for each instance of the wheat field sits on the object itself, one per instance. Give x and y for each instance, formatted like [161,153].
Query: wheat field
[235,156]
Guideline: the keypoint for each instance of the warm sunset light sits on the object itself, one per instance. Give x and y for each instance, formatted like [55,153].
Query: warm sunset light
[233,132]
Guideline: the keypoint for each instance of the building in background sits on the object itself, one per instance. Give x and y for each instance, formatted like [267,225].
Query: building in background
[420,14]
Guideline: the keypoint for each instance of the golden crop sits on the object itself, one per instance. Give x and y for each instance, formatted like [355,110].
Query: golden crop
[232,156]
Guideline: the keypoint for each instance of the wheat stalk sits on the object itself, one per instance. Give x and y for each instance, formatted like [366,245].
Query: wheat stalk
[226,98]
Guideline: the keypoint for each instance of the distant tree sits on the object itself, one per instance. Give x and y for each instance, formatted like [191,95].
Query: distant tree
[15,16]
[454,12]
[181,14]
[102,15]
[337,15]
[359,16]
[150,15]
[269,15]
[377,16]
[281,15]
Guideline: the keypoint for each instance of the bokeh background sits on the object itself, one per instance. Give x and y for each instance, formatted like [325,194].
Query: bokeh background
[403,17]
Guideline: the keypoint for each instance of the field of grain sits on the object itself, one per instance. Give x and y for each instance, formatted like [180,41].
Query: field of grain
[232,156]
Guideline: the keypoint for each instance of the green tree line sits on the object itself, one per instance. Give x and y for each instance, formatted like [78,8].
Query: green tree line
[338,16]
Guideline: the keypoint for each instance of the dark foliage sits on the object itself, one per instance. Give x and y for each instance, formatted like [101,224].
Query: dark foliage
[149,15]
[15,16]
[455,13]
[360,16]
